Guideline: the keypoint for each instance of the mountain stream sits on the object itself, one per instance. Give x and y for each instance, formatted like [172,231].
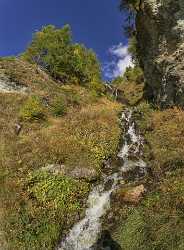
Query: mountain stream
[85,233]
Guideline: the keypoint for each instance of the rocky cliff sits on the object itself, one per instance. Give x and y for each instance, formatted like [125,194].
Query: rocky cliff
[160,34]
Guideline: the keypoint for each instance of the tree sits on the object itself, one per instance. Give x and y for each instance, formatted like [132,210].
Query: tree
[132,49]
[53,50]
[132,7]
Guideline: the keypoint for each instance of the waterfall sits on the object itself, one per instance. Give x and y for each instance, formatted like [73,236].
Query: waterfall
[85,233]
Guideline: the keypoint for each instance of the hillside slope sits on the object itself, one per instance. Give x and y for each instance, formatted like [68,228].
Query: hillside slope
[54,141]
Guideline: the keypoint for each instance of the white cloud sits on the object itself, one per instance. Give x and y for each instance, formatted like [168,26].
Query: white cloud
[121,60]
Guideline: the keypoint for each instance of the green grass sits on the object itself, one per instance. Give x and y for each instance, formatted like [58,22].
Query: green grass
[39,208]
[158,222]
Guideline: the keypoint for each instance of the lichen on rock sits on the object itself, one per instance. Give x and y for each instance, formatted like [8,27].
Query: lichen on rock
[160,34]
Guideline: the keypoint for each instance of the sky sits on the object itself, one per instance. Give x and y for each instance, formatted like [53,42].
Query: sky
[98,24]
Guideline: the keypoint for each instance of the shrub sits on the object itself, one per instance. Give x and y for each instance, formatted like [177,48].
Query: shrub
[59,106]
[131,5]
[59,191]
[32,109]
[51,202]
[134,75]
[97,87]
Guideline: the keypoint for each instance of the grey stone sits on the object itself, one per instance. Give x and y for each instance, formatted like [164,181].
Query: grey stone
[55,169]
[18,128]
[84,173]
[8,86]
[77,172]
[160,34]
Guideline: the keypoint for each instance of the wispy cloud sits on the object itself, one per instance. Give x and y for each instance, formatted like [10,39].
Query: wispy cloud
[121,59]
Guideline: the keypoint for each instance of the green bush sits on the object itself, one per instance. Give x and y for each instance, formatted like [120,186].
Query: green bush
[54,51]
[59,106]
[32,109]
[131,5]
[61,191]
[134,74]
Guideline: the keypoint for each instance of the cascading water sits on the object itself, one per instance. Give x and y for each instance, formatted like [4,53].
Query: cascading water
[85,233]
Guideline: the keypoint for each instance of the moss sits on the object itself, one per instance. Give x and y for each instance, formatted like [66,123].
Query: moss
[60,191]
[46,203]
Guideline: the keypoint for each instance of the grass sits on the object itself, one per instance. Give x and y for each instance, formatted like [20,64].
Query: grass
[157,222]
[58,106]
[130,86]
[132,91]
[38,208]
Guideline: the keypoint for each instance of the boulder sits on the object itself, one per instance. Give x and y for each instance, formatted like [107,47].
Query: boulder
[84,173]
[55,169]
[18,128]
[132,195]
[77,173]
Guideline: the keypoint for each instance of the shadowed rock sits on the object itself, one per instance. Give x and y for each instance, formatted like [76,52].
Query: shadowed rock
[106,242]
[160,34]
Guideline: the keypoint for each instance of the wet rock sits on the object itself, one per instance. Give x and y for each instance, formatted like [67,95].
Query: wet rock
[133,194]
[106,242]
[134,170]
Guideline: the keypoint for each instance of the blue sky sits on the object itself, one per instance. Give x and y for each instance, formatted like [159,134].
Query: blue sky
[96,23]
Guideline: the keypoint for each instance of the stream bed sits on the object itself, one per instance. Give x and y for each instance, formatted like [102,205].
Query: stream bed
[85,233]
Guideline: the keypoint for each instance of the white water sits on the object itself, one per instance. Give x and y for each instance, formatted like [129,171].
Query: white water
[85,233]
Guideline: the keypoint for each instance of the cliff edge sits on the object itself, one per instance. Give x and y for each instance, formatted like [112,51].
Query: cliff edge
[160,35]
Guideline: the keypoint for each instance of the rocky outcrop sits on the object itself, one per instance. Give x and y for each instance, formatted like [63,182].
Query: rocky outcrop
[8,86]
[85,173]
[160,34]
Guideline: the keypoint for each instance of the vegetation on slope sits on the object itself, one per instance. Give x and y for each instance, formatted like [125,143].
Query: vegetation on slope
[130,86]
[53,50]
[71,126]
[157,222]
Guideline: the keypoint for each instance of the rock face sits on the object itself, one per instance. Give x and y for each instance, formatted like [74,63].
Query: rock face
[8,86]
[76,173]
[160,34]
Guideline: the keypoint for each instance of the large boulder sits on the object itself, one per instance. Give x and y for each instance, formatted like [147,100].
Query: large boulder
[160,34]
[88,174]
[132,195]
